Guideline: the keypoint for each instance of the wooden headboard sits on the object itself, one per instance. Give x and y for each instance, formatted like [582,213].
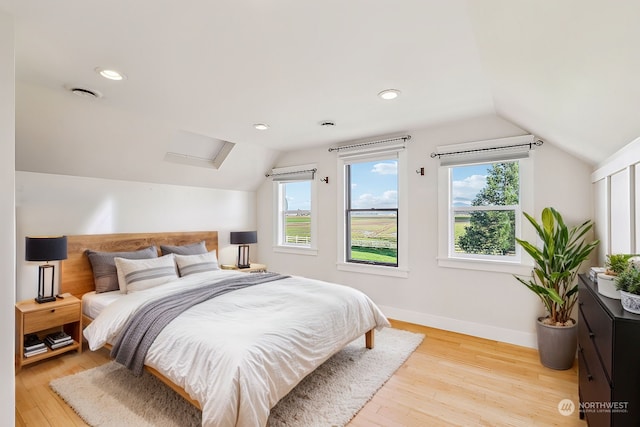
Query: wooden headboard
[76,276]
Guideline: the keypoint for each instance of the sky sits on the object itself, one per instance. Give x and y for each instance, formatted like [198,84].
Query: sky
[374,184]
[467,182]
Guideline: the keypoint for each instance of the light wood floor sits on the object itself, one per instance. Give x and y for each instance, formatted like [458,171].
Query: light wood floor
[451,380]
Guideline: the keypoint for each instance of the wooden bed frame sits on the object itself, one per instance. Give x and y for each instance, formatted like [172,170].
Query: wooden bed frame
[76,275]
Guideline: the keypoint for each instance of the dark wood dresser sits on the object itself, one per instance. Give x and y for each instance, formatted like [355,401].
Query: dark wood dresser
[609,359]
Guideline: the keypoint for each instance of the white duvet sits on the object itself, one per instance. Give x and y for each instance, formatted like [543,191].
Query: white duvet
[239,353]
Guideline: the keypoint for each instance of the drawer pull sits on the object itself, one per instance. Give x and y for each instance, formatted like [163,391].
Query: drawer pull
[591,335]
[589,377]
[53,310]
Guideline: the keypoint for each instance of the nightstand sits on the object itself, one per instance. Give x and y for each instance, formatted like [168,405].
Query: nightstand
[255,268]
[42,319]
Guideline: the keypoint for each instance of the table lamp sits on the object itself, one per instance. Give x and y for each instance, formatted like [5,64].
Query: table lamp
[45,249]
[243,238]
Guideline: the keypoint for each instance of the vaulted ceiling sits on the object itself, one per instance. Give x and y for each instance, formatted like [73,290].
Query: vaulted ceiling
[566,71]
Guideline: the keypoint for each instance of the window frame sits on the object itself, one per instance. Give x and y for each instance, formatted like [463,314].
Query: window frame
[395,152]
[279,228]
[447,257]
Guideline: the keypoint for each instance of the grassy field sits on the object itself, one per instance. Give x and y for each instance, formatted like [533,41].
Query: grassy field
[367,232]
[299,226]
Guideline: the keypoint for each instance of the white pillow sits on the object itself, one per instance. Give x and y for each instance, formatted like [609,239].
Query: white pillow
[191,264]
[138,274]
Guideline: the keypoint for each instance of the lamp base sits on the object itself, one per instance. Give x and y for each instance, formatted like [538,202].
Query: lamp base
[243,257]
[42,299]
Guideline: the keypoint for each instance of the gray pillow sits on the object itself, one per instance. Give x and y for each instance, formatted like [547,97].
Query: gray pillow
[190,249]
[105,275]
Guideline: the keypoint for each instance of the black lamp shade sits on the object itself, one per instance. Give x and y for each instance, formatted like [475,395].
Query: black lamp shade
[243,237]
[45,248]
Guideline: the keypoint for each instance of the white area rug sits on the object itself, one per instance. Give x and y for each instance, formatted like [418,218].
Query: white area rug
[110,395]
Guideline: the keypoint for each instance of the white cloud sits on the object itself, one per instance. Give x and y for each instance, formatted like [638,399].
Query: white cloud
[464,191]
[388,199]
[385,168]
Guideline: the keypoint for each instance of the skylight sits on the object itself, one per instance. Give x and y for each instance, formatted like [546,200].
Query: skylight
[197,150]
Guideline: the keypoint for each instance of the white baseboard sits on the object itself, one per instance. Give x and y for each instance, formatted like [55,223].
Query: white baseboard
[510,336]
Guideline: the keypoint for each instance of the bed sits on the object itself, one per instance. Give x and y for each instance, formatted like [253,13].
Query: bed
[234,356]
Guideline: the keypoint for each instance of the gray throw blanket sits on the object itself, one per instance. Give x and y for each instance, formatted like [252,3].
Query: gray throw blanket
[141,330]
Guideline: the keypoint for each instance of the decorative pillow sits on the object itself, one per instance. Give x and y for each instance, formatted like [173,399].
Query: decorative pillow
[105,275]
[191,249]
[190,264]
[139,274]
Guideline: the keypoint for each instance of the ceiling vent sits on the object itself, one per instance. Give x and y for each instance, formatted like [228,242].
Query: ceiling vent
[85,93]
[197,150]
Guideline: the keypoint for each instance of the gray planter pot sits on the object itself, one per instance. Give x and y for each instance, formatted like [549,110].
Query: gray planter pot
[557,345]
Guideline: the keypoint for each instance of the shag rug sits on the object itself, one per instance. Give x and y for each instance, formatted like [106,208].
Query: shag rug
[110,395]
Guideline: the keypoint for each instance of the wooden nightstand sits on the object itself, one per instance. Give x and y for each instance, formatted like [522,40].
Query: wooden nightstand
[42,319]
[255,268]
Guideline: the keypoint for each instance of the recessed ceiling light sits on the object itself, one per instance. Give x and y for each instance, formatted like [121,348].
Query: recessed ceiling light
[389,94]
[110,74]
[261,126]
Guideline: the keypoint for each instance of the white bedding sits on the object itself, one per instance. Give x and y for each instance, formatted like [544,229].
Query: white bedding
[93,303]
[239,353]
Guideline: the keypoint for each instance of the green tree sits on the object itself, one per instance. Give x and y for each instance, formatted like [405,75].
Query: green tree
[493,232]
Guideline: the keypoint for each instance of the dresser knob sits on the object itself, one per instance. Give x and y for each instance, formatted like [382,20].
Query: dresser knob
[589,377]
[591,335]
[53,310]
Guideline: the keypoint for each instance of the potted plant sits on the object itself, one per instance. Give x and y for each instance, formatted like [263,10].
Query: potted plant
[553,280]
[628,283]
[615,264]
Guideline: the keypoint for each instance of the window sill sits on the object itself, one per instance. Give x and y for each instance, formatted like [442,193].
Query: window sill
[379,270]
[494,266]
[295,250]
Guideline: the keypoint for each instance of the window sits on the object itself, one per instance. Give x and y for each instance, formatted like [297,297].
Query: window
[295,219]
[372,212]
[485,211]
[482,192]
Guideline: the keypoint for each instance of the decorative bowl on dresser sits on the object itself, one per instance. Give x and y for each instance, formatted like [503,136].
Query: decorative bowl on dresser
[609,359]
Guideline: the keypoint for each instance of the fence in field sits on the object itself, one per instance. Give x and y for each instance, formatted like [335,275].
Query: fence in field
[299,240]
[365,243]
[371,243]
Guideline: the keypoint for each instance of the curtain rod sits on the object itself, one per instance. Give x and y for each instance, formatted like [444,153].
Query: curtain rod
[537,143]
[314,170]
[364,144]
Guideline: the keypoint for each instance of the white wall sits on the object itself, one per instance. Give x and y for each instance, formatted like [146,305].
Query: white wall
[486,304]
[49,204]
[616,187]
[7,219]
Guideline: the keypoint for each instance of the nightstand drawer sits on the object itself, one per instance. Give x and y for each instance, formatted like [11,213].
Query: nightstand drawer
[43,319]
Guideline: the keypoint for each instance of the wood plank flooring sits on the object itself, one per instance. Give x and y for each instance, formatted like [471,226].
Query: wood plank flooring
[451,380]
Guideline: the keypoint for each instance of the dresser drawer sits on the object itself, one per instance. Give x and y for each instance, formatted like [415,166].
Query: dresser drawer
[598,327]
[594,387]
[44,319]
